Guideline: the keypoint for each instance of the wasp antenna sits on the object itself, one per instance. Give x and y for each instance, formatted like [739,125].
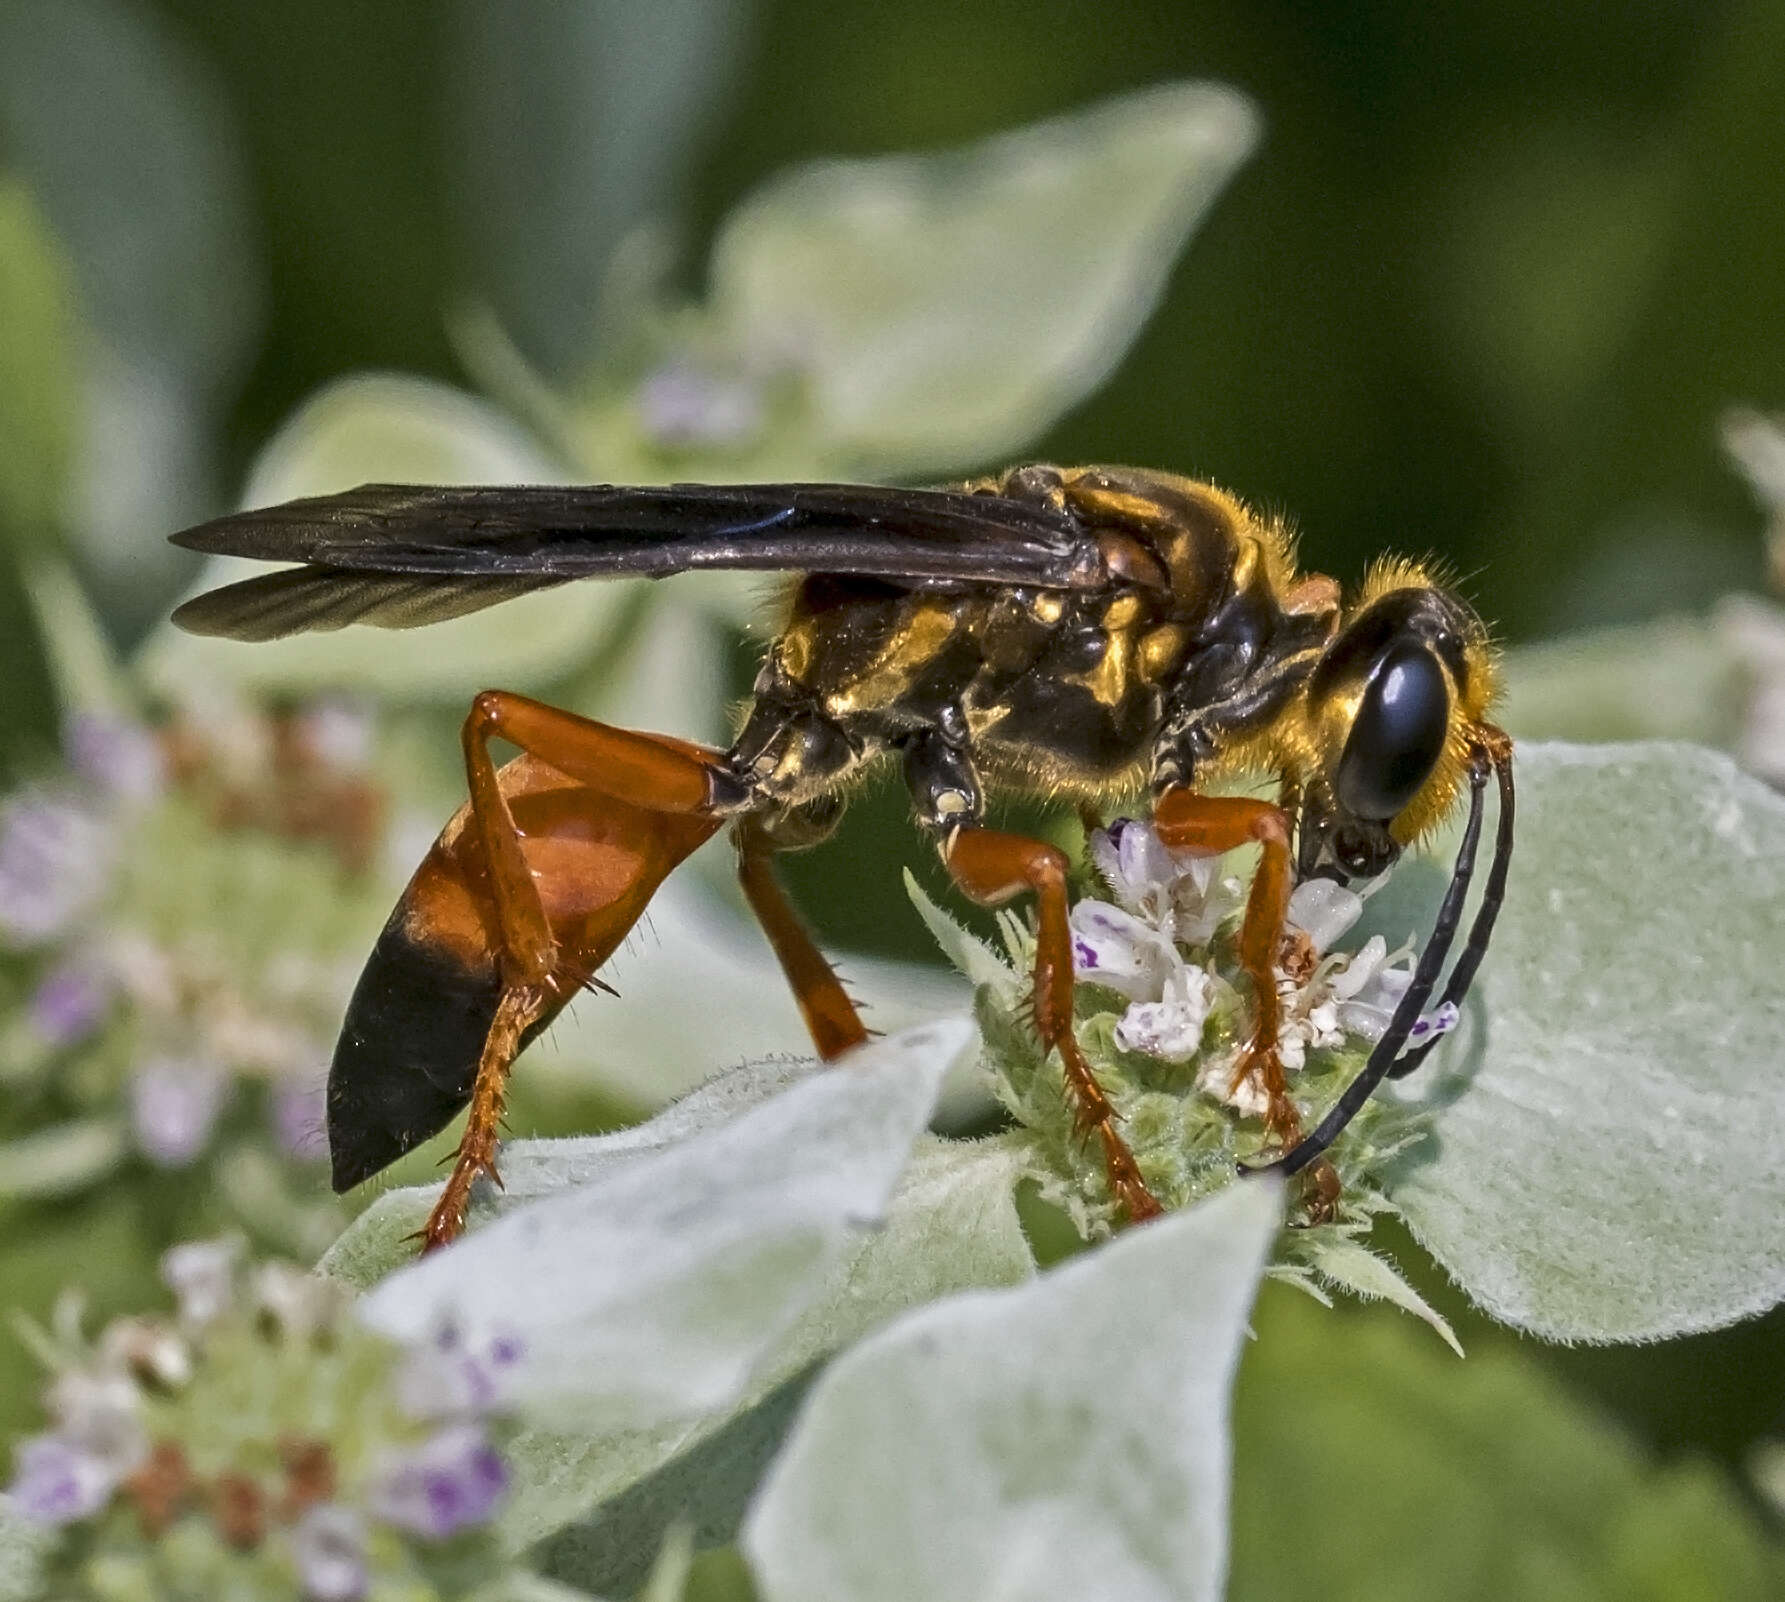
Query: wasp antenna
[1492,895]
[1431,963]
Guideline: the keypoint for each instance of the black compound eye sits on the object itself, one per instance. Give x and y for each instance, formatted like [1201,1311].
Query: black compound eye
[1398,735]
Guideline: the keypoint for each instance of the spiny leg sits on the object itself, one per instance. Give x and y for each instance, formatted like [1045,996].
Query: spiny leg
[646,771]
[516,1012]
[1187,821]
[831,1018]
[992,867]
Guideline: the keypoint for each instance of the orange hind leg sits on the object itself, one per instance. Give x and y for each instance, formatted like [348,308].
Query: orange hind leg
[660,778]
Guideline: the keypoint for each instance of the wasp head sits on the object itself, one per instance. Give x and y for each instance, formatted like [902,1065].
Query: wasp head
[1394,709]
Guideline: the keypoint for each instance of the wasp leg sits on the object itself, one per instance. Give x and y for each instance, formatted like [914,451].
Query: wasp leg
[1187,821]
[992,867]
[831,1018]
[646,771]
[516,1012]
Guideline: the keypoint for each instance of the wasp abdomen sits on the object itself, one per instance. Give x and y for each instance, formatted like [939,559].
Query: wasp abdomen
[421,1012]
[408,1050]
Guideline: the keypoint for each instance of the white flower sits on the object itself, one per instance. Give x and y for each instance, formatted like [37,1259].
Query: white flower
[147,1348]
[329,1546]
[174,1103]
[1171,1028]
[1323,909]
[299,1302]
[338,733]
[99,1411]
[120,758]
[56,858]
[202,1276]
[1177,892]
[683,404]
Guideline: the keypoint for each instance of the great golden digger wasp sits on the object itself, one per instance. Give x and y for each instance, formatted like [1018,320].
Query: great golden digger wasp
[1076,632]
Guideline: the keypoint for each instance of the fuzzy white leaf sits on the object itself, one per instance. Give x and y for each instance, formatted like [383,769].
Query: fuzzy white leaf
[1610,1123]
[952,1226]
[1066,1440]
[649,1297]
[946,308]
[23,1547]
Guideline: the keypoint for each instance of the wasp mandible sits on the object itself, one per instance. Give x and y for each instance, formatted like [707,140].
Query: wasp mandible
[1073,632]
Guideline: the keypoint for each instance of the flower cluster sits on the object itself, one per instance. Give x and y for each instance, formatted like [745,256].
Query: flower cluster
[181,915]
[263,1443]
[1163,1016]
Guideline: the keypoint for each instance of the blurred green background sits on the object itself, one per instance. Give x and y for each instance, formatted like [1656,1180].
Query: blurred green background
[1484,291]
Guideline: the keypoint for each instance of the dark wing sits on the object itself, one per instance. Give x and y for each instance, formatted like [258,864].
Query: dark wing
[403,555]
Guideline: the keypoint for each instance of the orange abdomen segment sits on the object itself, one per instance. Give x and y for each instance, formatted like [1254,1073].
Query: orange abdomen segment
[416,1025]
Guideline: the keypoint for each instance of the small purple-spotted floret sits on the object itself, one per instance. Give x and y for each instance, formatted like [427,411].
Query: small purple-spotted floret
[453,1481]
[56,1482]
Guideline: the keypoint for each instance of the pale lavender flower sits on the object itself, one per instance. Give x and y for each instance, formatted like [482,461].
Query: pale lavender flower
[55,862]
[118,757]
[174,1104]
[1171,1028]
[684,404]
[56,1482]
[329,1547]
[1114,948]
[451,1376]
[299,1109]
[452,1481]
[202,1276]
[70,1002]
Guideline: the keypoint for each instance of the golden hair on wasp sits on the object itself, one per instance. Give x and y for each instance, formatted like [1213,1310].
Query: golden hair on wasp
[1052,631]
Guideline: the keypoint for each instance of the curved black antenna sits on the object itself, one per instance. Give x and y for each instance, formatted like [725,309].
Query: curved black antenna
[1481,931]
[1425,975]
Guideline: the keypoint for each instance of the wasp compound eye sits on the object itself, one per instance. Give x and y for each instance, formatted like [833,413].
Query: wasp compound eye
[1398,734]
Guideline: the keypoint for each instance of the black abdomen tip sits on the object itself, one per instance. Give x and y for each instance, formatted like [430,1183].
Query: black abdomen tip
[408,1051]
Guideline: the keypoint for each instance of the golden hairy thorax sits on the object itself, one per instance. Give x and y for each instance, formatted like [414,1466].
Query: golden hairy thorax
[1059,691]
